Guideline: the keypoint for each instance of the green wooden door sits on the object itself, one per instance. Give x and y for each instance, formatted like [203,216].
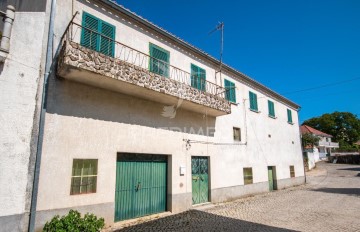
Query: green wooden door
[140,185]
[272,178]
[200,179]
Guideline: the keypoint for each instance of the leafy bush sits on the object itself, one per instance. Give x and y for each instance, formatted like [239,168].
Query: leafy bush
[75,223]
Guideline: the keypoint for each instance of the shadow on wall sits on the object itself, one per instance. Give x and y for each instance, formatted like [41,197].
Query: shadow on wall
[347,191]
[195,220]
[74,99]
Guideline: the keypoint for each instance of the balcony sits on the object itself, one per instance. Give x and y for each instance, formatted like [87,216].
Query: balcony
[328,144]
[126,70]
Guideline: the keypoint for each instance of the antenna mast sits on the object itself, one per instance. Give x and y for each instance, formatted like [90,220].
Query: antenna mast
[220,26]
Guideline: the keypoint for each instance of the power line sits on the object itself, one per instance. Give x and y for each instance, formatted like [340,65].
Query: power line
[323,86]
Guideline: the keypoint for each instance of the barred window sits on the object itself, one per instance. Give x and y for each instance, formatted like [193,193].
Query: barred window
[248,176]
[292,171]
[237,134]
[84,176]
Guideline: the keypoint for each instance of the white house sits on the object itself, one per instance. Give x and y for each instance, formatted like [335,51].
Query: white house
[137,121]
[24,26]
[324,146]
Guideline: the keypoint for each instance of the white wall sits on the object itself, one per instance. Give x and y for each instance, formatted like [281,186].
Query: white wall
[19,77]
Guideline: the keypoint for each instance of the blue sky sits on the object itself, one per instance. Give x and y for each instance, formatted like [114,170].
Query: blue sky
[288,45]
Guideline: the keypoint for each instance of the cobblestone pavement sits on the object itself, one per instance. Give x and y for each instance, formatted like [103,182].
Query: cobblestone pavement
[329,202]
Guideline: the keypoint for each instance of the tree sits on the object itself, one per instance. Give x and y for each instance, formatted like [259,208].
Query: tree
[344,126]
[309,140]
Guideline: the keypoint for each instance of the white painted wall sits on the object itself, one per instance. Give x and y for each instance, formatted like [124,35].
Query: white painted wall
[97,129]
[18,85]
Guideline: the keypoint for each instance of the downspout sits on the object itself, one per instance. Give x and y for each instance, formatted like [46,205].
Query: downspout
[9,17]
[302,149]
[48,62]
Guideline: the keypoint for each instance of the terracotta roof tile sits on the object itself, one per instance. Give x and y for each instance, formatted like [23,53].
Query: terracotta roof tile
[307,129]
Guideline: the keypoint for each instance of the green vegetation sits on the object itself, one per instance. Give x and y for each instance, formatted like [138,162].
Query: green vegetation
[75,223]
[344,126]
[309,140]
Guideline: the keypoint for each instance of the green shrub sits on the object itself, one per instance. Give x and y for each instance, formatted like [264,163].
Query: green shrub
[75,223]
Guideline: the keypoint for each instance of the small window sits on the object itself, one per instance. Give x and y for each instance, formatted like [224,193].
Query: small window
[97,35]
[253,101]
[292,171]
[271,109]
[84,176]
[248,176]
[237,134]
[289,115]
[230,91]
[159,60]
[198,77]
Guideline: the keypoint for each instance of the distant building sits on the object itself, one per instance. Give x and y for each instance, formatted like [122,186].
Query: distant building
[325,145]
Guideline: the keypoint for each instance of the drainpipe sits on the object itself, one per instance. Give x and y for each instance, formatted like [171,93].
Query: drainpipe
[9,17]
[48,63]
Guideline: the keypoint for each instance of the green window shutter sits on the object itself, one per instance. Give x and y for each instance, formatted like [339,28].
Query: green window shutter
[289,116]
[194,77]
[159,60]
[97,35]
[198,77]
[230,90]
[89,37]
[107,44]
[271,108]
[253,101]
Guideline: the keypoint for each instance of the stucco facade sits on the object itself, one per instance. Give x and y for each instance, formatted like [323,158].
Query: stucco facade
[20,78]
[94,114]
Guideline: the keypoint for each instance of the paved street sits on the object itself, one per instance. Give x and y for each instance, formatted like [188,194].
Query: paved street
[329,202]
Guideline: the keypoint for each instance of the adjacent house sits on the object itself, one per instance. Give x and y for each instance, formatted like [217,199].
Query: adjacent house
[324,146]
[134,121]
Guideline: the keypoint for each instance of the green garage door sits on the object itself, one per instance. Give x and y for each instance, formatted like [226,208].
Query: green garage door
[140,185]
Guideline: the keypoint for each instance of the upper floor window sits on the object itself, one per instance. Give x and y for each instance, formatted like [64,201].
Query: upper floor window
[84,176]
[198,77]
[97,35]
[271,109]
[289,116]
[253,101]
[230,91]
[159,60]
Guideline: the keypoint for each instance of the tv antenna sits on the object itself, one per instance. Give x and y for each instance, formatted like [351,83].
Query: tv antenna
[219,27]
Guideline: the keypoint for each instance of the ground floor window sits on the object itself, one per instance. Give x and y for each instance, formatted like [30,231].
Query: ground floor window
[292,171]
[84,176]
[248,176]
[237,134]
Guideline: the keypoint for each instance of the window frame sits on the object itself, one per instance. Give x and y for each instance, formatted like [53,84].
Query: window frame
[253,101]
[292,171]
[81,176]
[152,59]
[99,34]
[289,116]
[247,180]
[230,93]
[239,130]
[198,83]
[271,109]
